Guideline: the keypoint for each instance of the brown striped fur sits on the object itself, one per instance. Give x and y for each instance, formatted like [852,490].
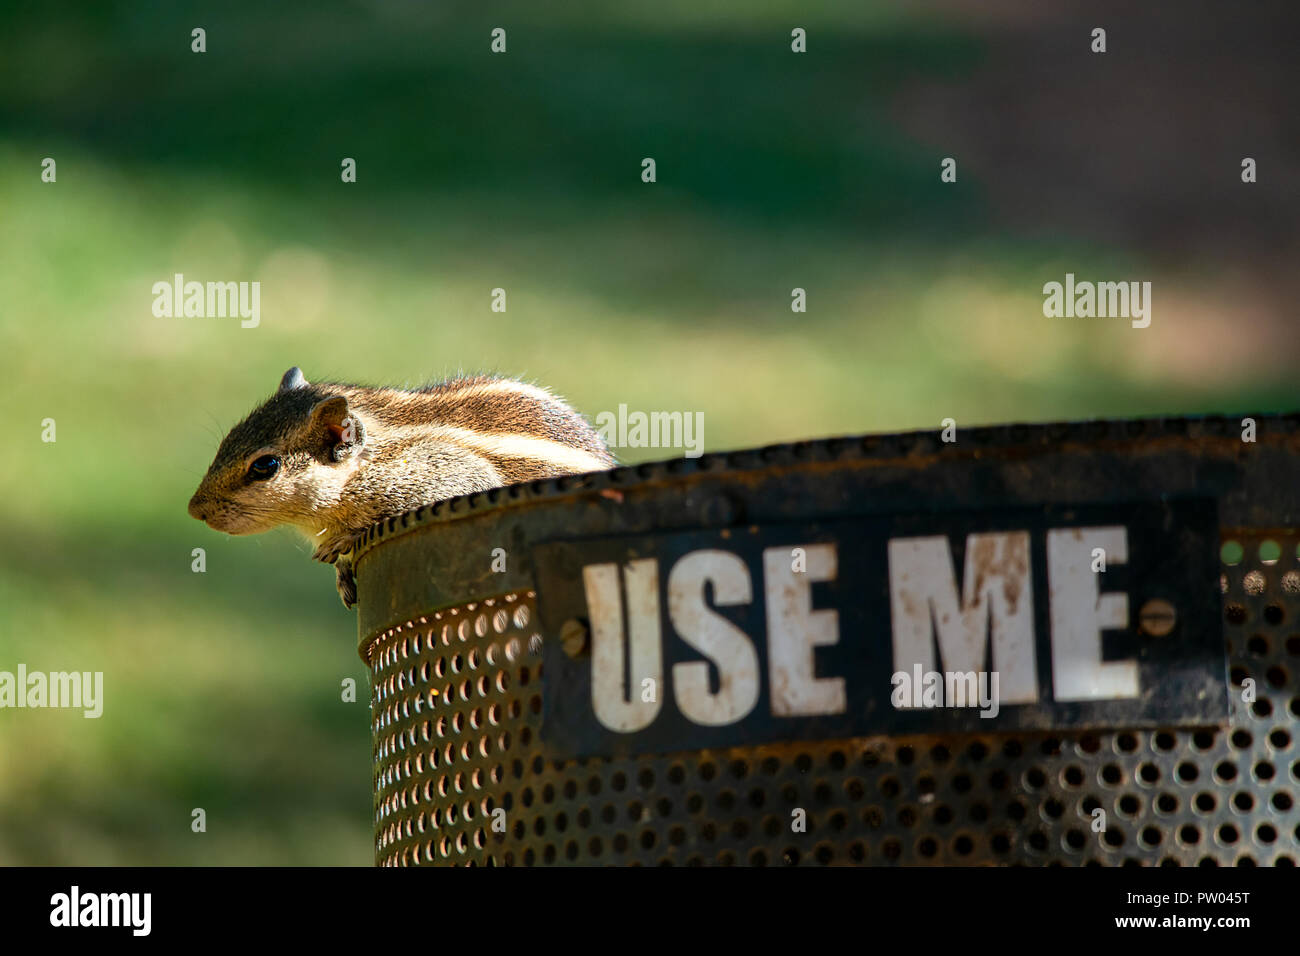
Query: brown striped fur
[352,455]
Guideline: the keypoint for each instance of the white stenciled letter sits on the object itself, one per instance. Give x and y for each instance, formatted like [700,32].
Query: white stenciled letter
[794,629]
[1080,614]
[611,667]
[713,636]
[997,603]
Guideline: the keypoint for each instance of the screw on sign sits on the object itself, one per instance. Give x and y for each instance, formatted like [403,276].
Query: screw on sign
[573,636]
[1157,618]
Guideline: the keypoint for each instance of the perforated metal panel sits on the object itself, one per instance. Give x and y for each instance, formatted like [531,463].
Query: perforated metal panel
[462,774]
[457,705]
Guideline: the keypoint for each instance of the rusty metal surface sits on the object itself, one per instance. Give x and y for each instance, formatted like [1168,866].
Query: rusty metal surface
[455,655]
[1257,484]
[444,763]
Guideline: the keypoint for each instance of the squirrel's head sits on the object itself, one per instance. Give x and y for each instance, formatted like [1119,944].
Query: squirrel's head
[285,463]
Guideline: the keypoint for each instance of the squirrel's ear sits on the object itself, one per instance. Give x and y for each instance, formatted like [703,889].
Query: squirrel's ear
[342,430]
[292,379]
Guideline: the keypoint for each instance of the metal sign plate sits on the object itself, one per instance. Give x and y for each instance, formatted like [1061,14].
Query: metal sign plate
[1104,615]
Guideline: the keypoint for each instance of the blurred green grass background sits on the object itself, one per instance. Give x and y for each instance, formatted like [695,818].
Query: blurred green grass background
[222,689]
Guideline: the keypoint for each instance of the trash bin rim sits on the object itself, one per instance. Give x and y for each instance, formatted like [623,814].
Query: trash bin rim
[918,446]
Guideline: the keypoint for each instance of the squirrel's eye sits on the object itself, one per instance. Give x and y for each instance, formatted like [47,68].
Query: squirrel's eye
[263,468]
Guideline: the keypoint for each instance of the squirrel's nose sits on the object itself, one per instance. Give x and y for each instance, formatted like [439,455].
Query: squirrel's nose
[197,510]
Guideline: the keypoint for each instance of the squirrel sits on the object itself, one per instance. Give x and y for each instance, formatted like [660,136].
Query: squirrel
[331,459]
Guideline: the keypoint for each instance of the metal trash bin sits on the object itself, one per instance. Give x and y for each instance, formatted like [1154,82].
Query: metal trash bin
[505,733]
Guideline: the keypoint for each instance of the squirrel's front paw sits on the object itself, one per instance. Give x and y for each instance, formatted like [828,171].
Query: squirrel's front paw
[346,583]
[335,548]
